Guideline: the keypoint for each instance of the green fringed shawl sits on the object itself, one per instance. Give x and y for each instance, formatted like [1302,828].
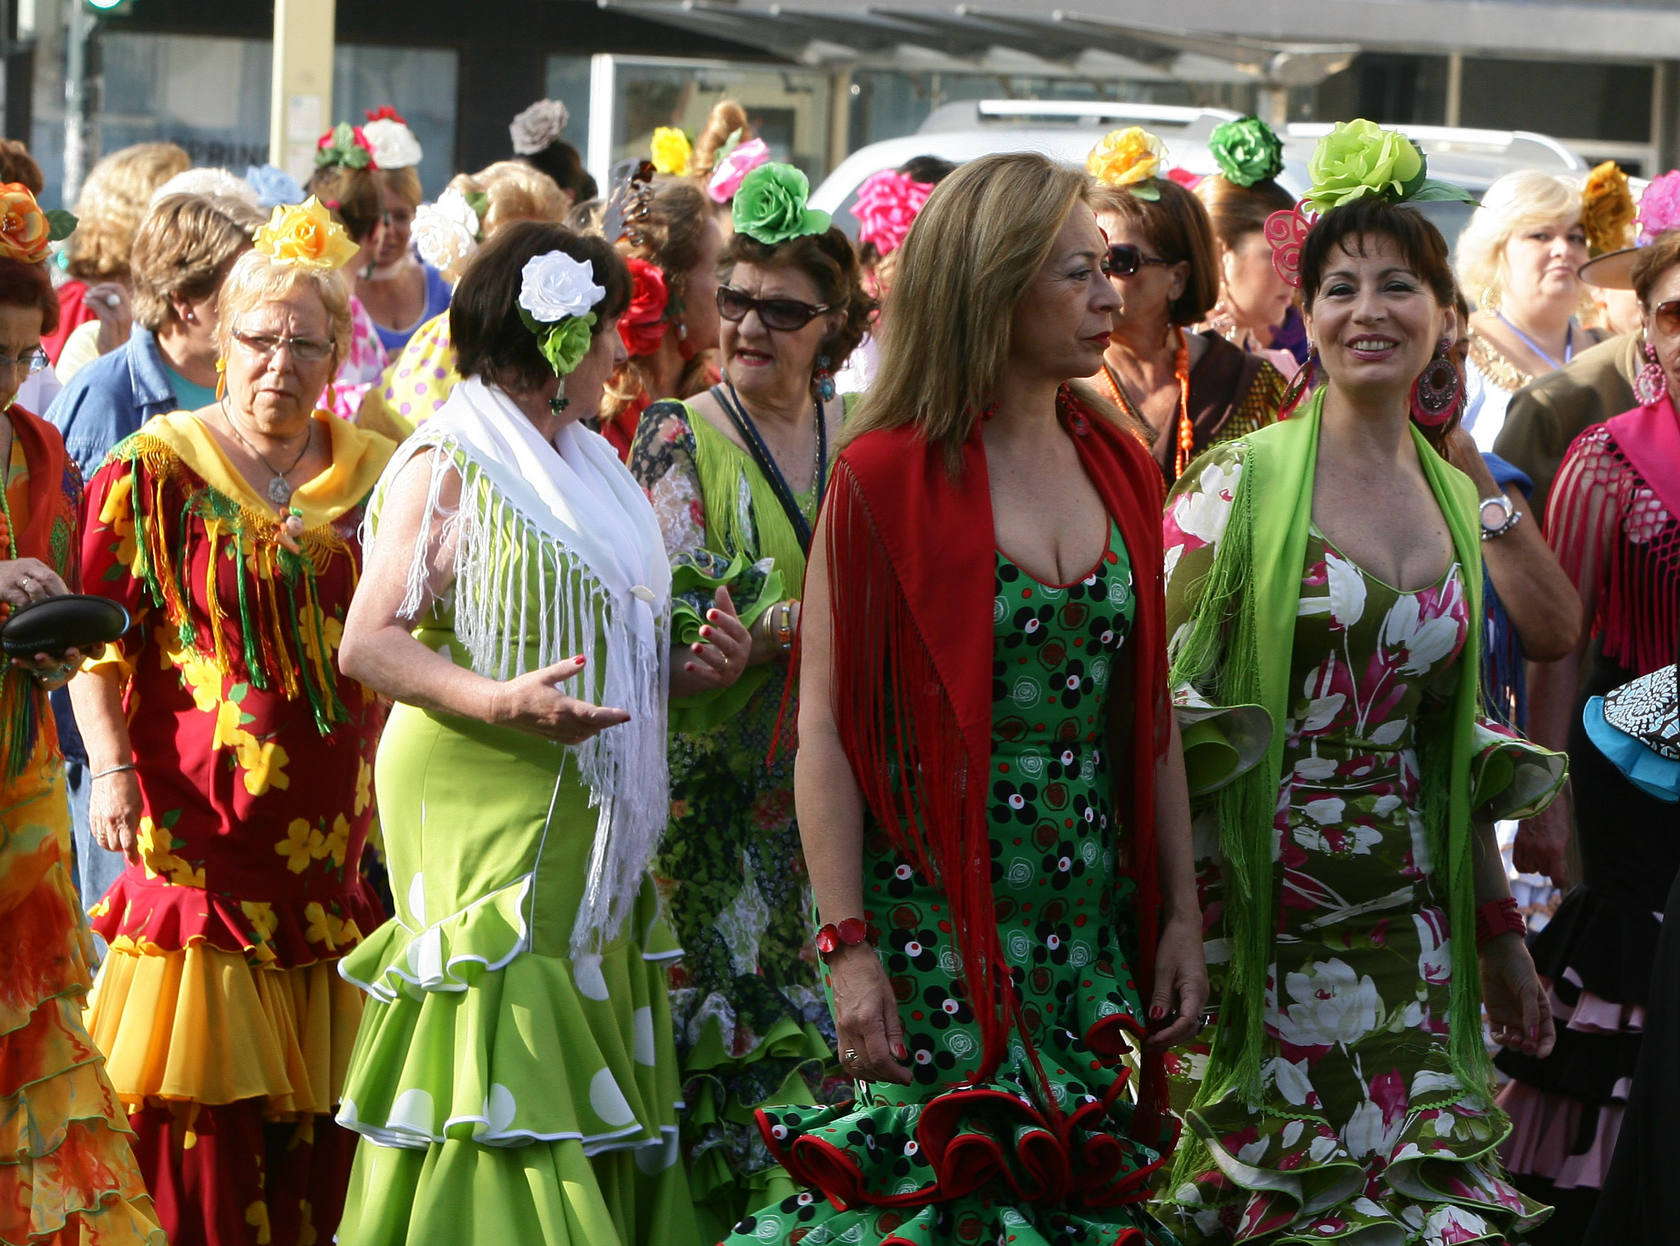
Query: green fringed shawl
[1237,651]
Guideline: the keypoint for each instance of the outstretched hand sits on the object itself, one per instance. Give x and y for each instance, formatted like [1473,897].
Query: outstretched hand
[533,702]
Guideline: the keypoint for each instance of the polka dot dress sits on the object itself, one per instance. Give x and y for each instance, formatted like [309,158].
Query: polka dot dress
[1042,1153]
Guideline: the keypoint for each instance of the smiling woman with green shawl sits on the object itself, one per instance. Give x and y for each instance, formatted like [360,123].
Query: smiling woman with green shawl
[1357,915]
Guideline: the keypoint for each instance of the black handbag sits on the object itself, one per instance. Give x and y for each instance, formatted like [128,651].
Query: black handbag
[68,621]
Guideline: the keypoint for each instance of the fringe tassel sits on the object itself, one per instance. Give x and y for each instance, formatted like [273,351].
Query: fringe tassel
[20,718]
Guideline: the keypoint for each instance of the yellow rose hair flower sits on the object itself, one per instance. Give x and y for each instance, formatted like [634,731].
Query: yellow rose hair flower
[671,150]
[1607,209]
[26,232]
[305,234]
[1129,158]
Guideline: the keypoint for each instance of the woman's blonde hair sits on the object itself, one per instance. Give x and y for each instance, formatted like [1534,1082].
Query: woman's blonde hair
[113,202]
[1515,202]
[185,247]
[972,254]
[726,118]
[258,278]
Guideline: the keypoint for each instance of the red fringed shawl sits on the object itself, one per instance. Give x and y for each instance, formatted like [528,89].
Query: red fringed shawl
[1613,517]
[911,557]
[49,534]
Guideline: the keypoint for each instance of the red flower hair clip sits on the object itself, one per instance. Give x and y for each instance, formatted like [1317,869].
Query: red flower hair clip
[1286,231]
[643,324]
[386,113]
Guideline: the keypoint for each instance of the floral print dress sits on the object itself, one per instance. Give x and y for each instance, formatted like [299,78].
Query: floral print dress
[1364,1132]
[1043,1153]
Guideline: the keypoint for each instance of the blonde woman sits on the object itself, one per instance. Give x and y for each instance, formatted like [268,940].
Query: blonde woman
[112,203]
[1518,261]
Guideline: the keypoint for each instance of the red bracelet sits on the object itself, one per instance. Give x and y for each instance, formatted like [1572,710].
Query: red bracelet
[1498,917]
[849,933]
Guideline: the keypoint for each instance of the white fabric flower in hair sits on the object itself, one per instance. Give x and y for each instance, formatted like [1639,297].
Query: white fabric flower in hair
[446,232]
[555,286]
[394,145]
[538,126]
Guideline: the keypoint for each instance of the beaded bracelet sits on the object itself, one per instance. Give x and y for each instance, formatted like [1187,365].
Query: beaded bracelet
[1498,917]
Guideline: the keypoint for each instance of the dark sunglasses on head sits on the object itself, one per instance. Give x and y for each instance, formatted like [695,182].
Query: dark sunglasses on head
[785,315]
[1666,316]
[1124,259]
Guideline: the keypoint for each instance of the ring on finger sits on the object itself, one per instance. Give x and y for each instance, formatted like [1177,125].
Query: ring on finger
[850,1055]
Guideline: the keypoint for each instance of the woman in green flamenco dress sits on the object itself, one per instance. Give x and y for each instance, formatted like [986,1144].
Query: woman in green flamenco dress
[736,475]
[514,1079]
[989,782]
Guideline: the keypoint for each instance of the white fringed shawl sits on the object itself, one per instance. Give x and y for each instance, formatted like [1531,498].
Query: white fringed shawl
[600,564]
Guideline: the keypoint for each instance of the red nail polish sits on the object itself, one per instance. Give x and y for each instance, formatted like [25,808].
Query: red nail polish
[1156,1012]
[900,1051]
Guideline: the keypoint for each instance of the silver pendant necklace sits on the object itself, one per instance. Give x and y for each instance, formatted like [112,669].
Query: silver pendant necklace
[279,489]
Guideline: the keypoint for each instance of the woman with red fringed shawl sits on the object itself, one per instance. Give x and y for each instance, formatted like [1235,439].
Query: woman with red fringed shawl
[990,787]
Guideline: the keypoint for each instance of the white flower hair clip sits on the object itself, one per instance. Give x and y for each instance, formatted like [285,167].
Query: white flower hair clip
[556,294]
[393,143]
[446,233]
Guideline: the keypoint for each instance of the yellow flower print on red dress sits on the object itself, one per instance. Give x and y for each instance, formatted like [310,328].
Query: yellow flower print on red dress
[303,843]
[264,764]
[338,840]
[260,913]
[364,786]
[256,1215]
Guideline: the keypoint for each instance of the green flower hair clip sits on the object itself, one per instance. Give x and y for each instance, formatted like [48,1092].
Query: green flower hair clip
[1247,151]
[772,206]
[1359,158]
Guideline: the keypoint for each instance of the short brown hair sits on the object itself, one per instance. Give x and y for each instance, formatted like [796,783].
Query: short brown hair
[1420,243]
[256,278]
[28,285]
[351,195]
[491,339]
[832,265]
[1238,211]
[17,165]
[1652,262]
[405,182]
[114,200]
[1178,230]
[185,247]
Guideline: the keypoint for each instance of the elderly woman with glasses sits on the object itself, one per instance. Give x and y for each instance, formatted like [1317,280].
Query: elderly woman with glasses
[1184,391]
[736,475]
[232,761]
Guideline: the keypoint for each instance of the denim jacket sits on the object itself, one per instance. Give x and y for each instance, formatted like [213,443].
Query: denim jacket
[105,402]
[111,398]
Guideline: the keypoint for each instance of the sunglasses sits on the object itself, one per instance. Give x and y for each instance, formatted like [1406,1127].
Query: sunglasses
[1124,259]
[1666,316]
[265,345]
[783,315]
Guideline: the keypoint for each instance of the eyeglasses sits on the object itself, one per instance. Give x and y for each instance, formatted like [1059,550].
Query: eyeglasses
[1666,316]
[264,346]
[782,315]
[1125,258]
[31,361]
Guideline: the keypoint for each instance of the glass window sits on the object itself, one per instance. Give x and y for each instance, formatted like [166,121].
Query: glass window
[418,82]
[567,80]
[1578,100]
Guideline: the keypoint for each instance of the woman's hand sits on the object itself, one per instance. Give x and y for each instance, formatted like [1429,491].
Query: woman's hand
[109,303]
[1519,1016]
[52,671]
[1542,843]
[114,814]
[1181,983]
[533,702]
[24,581]
[867,1028]
[764,645]
[719,657]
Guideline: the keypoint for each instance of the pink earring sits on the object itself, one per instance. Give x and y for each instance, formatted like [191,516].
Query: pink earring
[1438,390]
[1650,385]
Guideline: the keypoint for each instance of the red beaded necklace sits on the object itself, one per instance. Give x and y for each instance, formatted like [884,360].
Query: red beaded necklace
[1181,373]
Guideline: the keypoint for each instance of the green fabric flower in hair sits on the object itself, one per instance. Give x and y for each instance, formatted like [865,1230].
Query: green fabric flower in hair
[772,206]
[1247,151]
[565,344]
[1359,158]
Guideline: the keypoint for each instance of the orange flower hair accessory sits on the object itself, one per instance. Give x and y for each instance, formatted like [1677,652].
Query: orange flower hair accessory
[1607,209]
[1130,159]
[305,234]
[26,232]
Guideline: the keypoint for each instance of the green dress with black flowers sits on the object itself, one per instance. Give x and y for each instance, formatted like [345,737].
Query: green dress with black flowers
[934,1163]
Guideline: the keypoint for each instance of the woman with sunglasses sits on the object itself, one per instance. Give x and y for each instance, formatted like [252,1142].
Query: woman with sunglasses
[736,476]
[1613,517]
[1185,391]
[232,761]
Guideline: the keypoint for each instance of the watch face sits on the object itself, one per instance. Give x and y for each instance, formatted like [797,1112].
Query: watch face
[1495,511]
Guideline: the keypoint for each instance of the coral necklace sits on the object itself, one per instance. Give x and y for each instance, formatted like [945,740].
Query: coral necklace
[1181,373]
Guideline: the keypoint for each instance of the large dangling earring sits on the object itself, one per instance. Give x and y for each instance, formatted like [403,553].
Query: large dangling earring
[1438,389]
[823,379]
[557,405]
[1649,386]
[1300,385]
[221,379]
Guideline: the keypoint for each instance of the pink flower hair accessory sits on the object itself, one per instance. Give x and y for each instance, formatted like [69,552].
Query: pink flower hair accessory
[1659,207]
[738,161]
[886,207]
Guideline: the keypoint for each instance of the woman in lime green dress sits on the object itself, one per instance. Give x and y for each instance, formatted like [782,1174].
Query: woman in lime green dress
[515,1079]
[736,475]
